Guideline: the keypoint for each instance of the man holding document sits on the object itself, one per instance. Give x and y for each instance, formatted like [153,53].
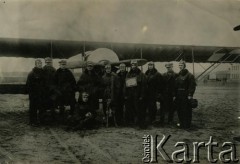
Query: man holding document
[134,95]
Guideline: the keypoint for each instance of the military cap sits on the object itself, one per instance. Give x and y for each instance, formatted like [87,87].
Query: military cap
[122,65]
[89,63]
[151,63]
[182,62]
[48,60]
[134,62]
[168,65]
[85,94]
[108,65]
[38,60]
[63,61]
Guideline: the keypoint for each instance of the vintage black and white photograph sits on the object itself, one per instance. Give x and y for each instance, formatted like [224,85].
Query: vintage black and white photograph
[119,81]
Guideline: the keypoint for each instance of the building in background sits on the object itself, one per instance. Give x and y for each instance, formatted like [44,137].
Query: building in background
[235,72]
[223,75]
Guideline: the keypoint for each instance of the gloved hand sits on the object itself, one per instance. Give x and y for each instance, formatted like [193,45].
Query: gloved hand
[88,114]
[190,97]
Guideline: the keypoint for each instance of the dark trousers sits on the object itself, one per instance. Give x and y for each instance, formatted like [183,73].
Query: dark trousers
[111,116]
[135,111]
[167,107]
[35,110]
[184,111]
[78,123]
[49,104]
[152,108]
[120,112]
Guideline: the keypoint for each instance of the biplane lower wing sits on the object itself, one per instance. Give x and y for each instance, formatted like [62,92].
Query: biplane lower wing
[12,89]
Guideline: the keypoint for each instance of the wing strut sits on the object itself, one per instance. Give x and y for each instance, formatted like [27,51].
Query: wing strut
[179,56]
[198,77]
[51,50]
[201,66]
[193,61]
[83,54]
[201,76]
[141,58]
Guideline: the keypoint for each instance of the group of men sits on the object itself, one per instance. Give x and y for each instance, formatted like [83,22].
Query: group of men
[130,97]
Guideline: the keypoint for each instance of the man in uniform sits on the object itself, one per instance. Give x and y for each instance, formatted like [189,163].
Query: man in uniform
[66,86]
[185,86]
[153,90]
[84,114]
[135,88]
[89,82]
[120,108]
[168,93]
[110,84]
[49,72]
[35,87]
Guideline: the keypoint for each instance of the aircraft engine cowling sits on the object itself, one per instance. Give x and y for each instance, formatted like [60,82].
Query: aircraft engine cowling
[102,54]
[99,56]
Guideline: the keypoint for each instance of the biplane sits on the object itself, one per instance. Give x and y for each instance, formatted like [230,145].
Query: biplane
[130,29]
[115,53]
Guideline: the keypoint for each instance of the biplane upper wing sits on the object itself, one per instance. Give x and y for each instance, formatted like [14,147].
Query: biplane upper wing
[37,48]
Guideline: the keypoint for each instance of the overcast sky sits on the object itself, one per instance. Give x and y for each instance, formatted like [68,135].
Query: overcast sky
[178,22]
